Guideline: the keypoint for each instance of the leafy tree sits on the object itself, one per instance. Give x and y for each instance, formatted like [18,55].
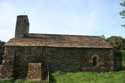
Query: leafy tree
[123,44]
[103,36]
[116,41]
[1,50]
[122,13]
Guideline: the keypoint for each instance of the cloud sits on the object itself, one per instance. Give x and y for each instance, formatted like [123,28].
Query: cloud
[7,20]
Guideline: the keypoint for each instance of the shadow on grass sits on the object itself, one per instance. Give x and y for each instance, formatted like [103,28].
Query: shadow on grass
[7,81]
[52,79]
[123,67]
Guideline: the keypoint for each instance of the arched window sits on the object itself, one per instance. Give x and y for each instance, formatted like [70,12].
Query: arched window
[94,61]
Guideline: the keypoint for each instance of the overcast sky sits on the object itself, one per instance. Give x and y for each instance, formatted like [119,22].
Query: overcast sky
[80,17]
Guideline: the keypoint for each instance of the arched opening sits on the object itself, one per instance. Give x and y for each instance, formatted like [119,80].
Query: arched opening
[94,61]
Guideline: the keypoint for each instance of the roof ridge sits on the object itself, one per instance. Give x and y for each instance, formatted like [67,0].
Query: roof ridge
[63,35]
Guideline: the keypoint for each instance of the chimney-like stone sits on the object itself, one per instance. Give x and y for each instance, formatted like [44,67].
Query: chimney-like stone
[22,26]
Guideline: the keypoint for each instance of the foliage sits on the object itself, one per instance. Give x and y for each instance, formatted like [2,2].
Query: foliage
[123,44]
[89,77]
[123,57]
[122,4]
[122,13]
[2,44]
[1,50]
[103,36]
[116,41]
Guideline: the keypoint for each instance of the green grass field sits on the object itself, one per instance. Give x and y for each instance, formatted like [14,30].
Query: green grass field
[89,77]
[21,81]
[80,77]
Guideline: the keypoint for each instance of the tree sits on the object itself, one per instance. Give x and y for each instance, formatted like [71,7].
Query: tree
[123,44]
[116,41]
[1,50]
[122,13]
[103,36]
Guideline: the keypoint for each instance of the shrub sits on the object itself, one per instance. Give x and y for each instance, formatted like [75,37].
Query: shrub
[123,57]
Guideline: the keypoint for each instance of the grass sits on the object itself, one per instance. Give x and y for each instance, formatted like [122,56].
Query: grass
[25,81]
[89,77]
[80,77]
[21,81]
[7,81]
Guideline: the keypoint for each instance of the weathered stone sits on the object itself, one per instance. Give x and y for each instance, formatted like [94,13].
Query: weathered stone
[6,72]
[22,26]
[58,59]
[34,72]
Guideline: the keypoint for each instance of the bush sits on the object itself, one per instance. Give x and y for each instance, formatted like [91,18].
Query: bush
[1,50]
[123,57]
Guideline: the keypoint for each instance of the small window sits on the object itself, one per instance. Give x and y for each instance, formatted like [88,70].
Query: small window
[94,61]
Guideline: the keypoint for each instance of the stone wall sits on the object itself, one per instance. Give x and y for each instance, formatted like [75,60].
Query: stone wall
[22,26]
[58,59]
[105,60]
[6,72]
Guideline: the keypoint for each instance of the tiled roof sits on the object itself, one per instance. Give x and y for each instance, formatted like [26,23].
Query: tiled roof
[54,40]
